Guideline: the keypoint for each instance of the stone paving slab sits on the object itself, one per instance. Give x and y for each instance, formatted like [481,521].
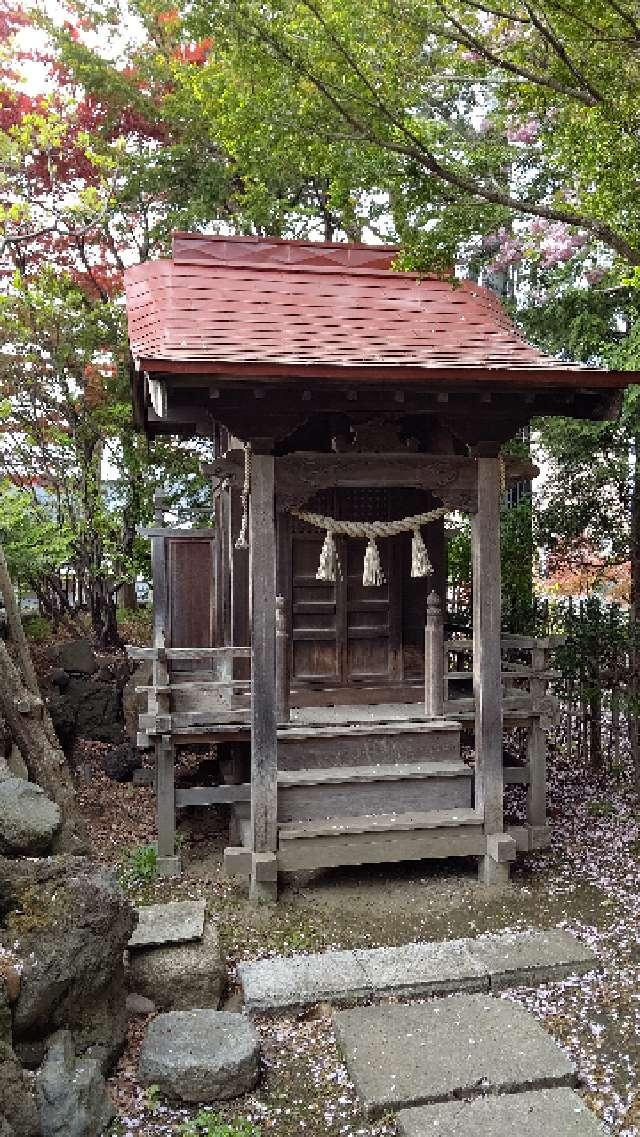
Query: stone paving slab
[493,961]
[175,923]
[422,969]
[540,1113]
[399,1056]
[283,982]
[523,959]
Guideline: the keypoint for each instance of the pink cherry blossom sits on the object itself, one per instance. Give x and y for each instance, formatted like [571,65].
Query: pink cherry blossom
[526,132]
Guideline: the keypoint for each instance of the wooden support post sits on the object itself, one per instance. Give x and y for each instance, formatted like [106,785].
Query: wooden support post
[168,861]
[264,763]
[434,658]
[159,703]
[537,758]
[282,662]
[487,683]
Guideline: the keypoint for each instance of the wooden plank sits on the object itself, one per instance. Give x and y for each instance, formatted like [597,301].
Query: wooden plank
[356,696]
[385,823]
[188,652]
[370,848]
[264,760]
[202,685]
[182,721]
[353,774]
[373,798]
[487,680]
[370,729]
[213,795]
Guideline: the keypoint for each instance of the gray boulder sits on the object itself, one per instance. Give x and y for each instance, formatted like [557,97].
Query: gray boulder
[132,703]
[200,1055]
[69,924]
[180,976]
[74,656]
[97,709]
[71,1093]
[18,1114]
[28,819]
[16,764]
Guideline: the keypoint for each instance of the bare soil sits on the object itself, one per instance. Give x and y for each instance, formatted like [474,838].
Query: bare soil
[588,882]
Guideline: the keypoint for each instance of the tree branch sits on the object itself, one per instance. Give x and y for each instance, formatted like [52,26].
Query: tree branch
[550,37]
[417,152]
[467,40]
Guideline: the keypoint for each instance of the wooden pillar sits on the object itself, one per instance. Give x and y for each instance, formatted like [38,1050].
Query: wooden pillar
[264,771]
[434,659]
[282,662]
[160,703]
[168,861]
[537,759]
[487,667]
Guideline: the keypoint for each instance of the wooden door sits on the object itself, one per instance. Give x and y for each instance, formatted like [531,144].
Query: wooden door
[314,626]
[344,634]
[371,652]
[191,581]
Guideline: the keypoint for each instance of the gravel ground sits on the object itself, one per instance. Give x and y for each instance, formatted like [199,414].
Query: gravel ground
[588,882]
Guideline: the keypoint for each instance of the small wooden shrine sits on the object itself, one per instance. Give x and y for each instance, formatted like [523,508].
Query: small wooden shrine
[305,634]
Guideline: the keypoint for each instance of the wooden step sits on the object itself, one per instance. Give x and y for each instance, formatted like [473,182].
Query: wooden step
[335,775]
[376,839]
[338,791]
[320,745]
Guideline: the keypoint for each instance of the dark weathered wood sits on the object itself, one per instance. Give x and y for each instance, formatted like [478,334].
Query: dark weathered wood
[168,862]
[487,681]
[451,478]
[537,748]
[185,653]
[264,761]
[379,848]
[321,747]
[283,681]
[213,795]
[433,658]
[445,786]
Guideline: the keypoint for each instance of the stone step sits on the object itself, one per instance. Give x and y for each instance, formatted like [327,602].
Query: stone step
[336,791]
[379,838]
[536,1113]
[320,745]
[494,961]
[401,1055]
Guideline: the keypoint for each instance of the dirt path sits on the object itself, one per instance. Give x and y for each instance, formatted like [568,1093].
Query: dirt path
[589,882]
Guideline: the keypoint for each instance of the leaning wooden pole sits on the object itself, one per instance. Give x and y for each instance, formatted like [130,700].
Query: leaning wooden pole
[264,763]
[487,671]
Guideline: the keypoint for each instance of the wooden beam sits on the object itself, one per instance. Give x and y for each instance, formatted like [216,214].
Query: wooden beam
[452,478]
[487,679]
[213,795]
[264,765]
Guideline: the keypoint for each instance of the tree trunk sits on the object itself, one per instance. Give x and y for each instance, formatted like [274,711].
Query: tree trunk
[128,596]
[16,630]
[43,757]
[104,617]
[634,616]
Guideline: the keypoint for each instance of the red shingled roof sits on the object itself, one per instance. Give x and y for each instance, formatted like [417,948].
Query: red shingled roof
[252,306]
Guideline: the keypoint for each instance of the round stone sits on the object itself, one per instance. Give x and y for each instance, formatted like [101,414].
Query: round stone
[200,1055]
